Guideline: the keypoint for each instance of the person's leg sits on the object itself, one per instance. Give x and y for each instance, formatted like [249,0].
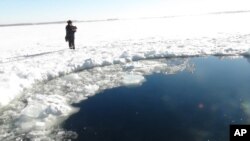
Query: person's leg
[73,43]
[69,44]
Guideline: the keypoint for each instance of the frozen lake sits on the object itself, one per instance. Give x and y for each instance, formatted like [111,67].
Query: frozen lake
[191,105]
[41,80]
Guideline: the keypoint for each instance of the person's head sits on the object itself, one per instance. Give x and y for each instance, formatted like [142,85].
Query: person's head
[69,22]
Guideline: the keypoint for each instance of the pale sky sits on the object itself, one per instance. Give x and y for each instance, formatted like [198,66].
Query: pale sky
[21,11]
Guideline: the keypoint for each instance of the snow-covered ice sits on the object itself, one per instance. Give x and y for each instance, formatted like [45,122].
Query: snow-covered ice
[38,73]
[130,80]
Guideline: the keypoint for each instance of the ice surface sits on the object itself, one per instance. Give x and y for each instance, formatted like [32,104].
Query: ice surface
[39,53]
[247,53]
[30,55]
[132,80]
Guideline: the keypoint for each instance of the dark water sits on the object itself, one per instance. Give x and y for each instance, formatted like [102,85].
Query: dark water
[180,107]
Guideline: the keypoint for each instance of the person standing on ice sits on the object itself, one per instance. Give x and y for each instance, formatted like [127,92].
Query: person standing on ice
[70,34]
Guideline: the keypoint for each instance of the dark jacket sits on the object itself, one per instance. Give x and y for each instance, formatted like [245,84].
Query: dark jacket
[70,32]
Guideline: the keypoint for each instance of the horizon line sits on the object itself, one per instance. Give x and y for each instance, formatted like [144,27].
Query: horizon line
[115,19]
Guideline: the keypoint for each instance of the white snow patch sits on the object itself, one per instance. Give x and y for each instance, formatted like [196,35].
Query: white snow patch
[43,111]
[132,80]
